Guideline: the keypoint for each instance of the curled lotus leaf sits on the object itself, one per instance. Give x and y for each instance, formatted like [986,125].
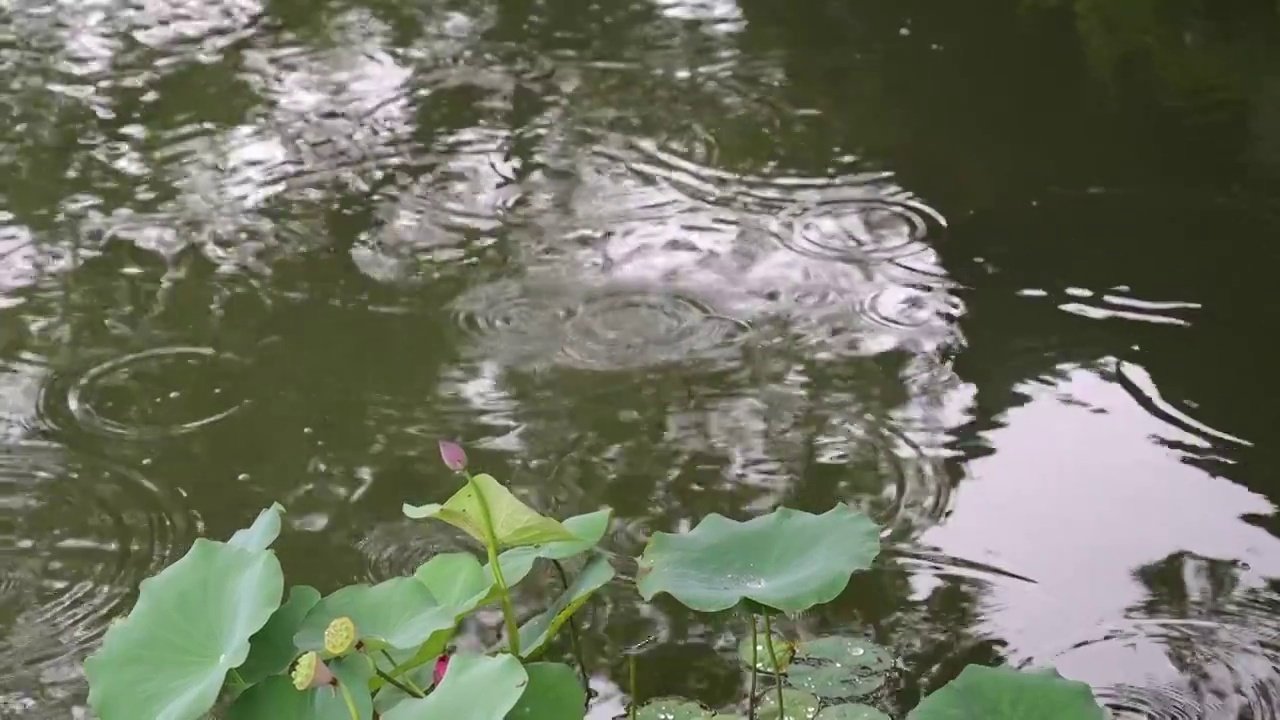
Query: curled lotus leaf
[587,530]
[514,523]
[983,693]
[539,630]
[788,560]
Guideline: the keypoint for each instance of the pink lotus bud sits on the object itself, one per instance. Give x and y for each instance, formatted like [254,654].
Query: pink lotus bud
[442,664]
[454,457]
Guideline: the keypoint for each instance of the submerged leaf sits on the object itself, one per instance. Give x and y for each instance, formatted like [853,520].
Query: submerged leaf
[554,693]
[167,659]
[398,613]
[840,667]
[272,647]
[796,705]
[477,687]
[514,523]
[788,560]
[264,530]
[982,693]
[535,634]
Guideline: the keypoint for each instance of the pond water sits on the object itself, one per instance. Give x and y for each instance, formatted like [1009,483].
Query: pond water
[999,273]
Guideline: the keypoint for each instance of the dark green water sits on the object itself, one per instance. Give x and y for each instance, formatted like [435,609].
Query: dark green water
[1002,274]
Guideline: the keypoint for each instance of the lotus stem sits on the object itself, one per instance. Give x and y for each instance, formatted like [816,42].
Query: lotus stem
[755,645]
[491,545]
[351,702]
[773,657]
[406,686]
[573,633]
[635,698]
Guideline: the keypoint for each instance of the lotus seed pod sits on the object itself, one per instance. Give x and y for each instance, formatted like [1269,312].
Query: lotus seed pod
[454,457]
[340,636]
[310,672]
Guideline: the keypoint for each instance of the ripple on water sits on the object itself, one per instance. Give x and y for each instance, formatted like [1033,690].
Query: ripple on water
[155,393]
[76,537]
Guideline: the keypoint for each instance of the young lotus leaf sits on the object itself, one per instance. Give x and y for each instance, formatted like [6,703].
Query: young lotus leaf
[264,530]
[587,530]
[982,693]
[535,634]
[456,580]
[674,709]
[796,705]
[514,523]
[788,560]
[851,712]
[398,613]
[840,667]
[192,623]
[782,648]
[554,693]
[271,648]
[277,699]
[477,687]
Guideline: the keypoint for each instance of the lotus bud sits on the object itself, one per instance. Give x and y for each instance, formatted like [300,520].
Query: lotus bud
[454,457]
[442,664]
[311,672]
[340,636]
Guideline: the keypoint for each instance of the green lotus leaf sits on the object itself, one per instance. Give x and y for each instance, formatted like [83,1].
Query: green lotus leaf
[796,705]
[840,667]
[851,712]
[514,523]
[407,660]
[535,634]
[264,530]
[587,530]
[271,648]
[788,560]
[782,648]
[192,623]
[674,709]
[398,613]
[389,695]
[277,699]
[456,580]
[983,693]
[554,693]
[476,687]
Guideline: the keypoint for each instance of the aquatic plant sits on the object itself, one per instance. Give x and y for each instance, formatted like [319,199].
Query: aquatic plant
[217,626]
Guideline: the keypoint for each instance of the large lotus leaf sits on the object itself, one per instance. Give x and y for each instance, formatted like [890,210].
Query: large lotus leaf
[456,580]
[840,667]
[587,530]
[783,650]
[535,634]
[982,693]
[674,709]
[851,712]
[788,560]
[389,695]
[271,648]
[514,523]
[398,613]
[264,530]
[476,687]
[277,699]
[796,705]
[554,693]
[168,658]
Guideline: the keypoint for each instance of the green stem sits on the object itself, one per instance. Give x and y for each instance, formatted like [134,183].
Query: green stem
[573,633]
[635,699]
[409,687]
[777,671]
[351,702]
[491,545]
[755,645]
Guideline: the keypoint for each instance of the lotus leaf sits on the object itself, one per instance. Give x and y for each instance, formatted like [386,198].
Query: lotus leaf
[587,530]
[982,693]
[535,634]
[456,580]
[554,693]
[782,648]
[390,695]
[477,687]
[674,709]
[851,712]
[276,698]
[398,613]
[192,623]
[796,705]
[788,560]
[514,523]
[840,667]
[264,530]
[271,648]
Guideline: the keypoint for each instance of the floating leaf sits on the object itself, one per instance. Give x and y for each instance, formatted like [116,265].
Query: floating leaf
[840,667]
[587,530]
[674,709]
[788,560]
[851,712]
[982,693]
[536,633]
[554,693]
[167,659]
[514,523]
[264,530]
[477,687]
[796,705]
[271,648]
[456,580]
[398,613]
[277,699]
[782,648]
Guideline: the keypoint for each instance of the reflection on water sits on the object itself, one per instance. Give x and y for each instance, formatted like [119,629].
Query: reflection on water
[674,257]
